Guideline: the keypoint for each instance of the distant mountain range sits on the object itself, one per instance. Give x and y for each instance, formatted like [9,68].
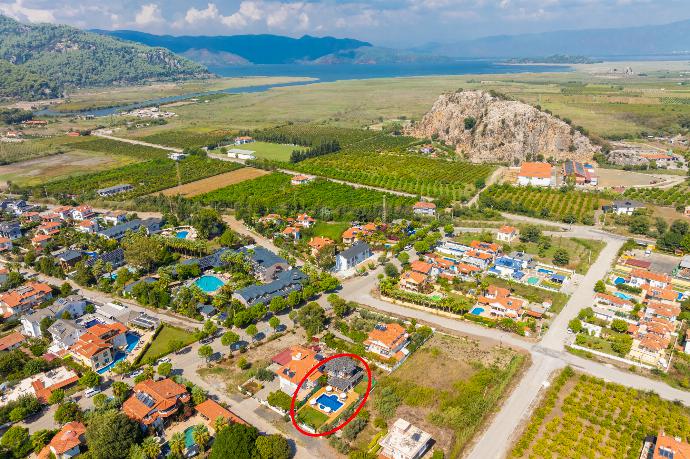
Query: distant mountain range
[244,49]
[629,41]
[41,60]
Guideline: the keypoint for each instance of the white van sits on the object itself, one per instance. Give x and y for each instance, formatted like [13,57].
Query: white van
[91,392]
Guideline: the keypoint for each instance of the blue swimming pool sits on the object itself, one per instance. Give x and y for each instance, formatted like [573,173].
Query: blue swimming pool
[182,234]
[544,271]
[330,401]
[619,281]
[622,296]
[132,340]
[477,311]
[189,437]
[209,284]
[91,323]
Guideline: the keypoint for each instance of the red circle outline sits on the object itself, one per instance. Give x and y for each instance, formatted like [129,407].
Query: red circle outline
[348,420]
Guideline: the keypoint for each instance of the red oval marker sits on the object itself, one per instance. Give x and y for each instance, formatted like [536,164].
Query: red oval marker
[347,421]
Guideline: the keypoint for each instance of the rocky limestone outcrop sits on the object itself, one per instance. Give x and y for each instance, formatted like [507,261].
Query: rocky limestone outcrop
[503,130]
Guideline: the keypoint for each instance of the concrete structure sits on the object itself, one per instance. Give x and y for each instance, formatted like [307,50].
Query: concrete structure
[424,208]
[404,441]
[507,234]
[113,190]
[352,256]
[535,174]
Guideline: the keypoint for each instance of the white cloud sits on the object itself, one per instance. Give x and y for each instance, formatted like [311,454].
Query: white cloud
[148,14]
[194,15]
[18,11]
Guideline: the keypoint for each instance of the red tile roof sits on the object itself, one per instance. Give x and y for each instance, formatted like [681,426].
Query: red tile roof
[11,340]
[536,170]
[390,335]
[424,205]
[212,410]
[650,275]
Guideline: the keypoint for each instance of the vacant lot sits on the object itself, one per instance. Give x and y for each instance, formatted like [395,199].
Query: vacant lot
[585,417]
[615,177]
[215,182]
[160,345]
[447,388]
[47,168]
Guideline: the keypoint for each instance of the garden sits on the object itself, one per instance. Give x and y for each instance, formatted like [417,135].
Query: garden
[325,200]
[566,206]
[586,417]
[167,339]
[675,196]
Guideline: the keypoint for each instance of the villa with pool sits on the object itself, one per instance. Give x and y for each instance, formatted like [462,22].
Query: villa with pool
[180,232]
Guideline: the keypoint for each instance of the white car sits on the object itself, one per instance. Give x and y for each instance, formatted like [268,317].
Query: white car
[163,360]
[136,373]
[91,392]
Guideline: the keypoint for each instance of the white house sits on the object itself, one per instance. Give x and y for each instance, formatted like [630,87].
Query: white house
[626,207]
[535,174]
[241,154]
[507,234]
[352,256]
[404,441]
[424,208]
[640,277]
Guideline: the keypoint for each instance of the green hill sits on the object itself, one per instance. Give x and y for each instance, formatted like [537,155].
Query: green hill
[41,60]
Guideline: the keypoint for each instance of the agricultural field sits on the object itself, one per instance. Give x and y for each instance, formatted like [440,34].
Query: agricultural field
[314,134]
[325,200]
[38,171]
[552,204]
[383,162]
[115,147]
[586,417]
[447,388]
[187,138]
[213,183]
[36,148]
[676,196]
[147,177]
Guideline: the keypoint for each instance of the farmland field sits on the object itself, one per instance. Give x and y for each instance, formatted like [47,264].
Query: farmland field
[675,196]
[76,162]
[146,177]
[585,417]
[566,206]
[270,151]
[447,388]
[327,200]
[187,138]
[36,148]
[213,183]
[115,147]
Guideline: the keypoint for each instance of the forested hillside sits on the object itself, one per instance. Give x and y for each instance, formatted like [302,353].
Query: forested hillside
[40,60]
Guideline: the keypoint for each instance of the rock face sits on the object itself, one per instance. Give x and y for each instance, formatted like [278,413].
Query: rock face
[502,131]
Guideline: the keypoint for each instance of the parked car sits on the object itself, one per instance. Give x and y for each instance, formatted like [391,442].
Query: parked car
[135,373]
[163,360]
[91,392]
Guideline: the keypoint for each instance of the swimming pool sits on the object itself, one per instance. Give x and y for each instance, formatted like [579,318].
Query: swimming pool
[182,234]
[623,296]
[132,341]
[619,281]
[544,271]
[189,437]
[477,311]
[329,401]
[209,284]
[533,280]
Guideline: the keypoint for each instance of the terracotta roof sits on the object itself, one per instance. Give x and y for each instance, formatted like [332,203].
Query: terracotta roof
[655,156]
[300,178]
[21,294]
[663,309]
[97,339]
[415,277]
[464,268]
[653,342]
[351,232]
[424,205]
[86,223]
[290,230]
[666,443]
[536,170]
[644,264]
[650,275]
[662,294]
[319,242]
[41,237]
[494,290]
[11,340]
[477,254]
[507,229]
[613,299]
[4,240]
[421,267]
[390,335]
[163,396]
[68,437]
[212,410]
[301,361]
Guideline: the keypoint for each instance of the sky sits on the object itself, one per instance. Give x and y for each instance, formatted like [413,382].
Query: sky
[394,23]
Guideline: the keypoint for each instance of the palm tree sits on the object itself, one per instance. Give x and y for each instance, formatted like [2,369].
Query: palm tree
[177,443]
[201,436]
[219,423]
[151,448]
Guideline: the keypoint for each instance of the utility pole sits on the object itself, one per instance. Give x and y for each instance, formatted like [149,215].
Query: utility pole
[384,209]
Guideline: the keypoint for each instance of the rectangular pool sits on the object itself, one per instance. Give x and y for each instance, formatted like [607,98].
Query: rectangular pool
[331,401]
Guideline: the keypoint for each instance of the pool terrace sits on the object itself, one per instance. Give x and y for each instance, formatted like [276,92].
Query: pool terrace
[331,402]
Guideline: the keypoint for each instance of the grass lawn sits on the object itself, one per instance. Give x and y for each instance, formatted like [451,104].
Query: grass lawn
[582,416]
[160,346]
[272,151]
[583,252]
[447,388]
[533,294]
[333,230]
[312,417]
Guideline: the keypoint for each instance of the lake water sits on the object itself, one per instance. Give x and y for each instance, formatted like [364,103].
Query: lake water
[328,73]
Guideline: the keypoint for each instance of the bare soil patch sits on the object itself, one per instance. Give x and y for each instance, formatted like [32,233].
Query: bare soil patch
[215,182]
